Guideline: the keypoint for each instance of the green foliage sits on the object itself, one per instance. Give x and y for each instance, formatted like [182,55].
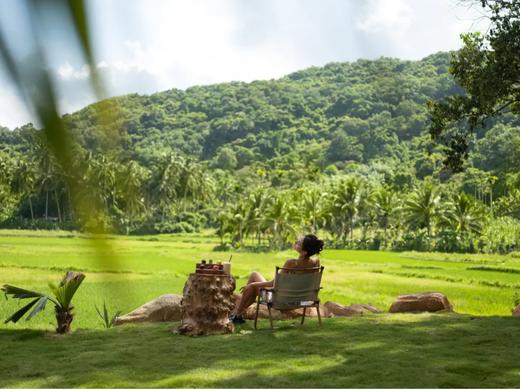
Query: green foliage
[487,67]
[63,295]
[501,235]
[68,286]
[341,150]
[108,321]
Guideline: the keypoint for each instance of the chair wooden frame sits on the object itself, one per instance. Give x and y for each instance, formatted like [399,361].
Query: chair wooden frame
[267,295]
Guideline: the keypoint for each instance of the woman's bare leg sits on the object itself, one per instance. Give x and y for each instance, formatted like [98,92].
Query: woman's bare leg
[251,290]
[255,277]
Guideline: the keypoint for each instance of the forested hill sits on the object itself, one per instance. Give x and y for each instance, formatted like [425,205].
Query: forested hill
[336,114]
[365,108]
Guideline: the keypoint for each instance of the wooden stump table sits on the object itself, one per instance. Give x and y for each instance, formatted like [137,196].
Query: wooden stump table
[206,304]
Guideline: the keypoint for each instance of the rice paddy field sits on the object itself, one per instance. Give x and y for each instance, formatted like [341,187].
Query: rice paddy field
[476,347]
[142,268]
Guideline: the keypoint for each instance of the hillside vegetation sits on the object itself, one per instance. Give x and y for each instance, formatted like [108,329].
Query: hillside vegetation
[342,149]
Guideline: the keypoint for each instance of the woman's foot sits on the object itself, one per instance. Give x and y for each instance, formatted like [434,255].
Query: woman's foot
[237,319]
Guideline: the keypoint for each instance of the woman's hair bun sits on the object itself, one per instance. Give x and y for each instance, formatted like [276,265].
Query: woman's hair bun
[312,244]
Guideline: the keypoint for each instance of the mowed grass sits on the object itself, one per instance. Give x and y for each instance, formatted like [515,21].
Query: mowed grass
[149,266]
[476,348]
[376,351]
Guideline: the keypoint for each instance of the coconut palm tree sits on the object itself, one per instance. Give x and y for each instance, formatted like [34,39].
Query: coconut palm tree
[365,209]
[421,207]
[280,217]
[23,182]
[62,299]
[255,222]
[129,181]
[344,206]
[314,202]
[463,215]
[163,186]
[385,203]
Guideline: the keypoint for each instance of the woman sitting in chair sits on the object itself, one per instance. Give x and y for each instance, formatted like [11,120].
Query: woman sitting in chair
[306,247]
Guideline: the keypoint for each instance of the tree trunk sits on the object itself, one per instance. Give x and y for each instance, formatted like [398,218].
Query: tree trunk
[57,205]
[491,200]
[31,208]
[46,204]
[63,319]
[71,206]
[206,304]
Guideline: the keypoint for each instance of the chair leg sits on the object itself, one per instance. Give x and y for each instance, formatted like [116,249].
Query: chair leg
[303,316]
[270,316]
[257,308]
[318,311]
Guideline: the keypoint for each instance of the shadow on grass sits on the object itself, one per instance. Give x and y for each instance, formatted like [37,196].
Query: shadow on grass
[374,351]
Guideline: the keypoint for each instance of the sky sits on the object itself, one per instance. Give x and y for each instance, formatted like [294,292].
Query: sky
[147,46]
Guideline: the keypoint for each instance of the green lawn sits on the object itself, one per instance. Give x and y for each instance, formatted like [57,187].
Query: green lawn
[373,351]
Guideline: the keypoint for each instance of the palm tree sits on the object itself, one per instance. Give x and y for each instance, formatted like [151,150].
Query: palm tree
[344,206]
[63,294]
[237,222]
[225,225]
[385,203]
[163,186]
[280,217]
[255,222]
[23,182]
[129,181]
[463,216]
[365,209]
[421,207]
[313,201]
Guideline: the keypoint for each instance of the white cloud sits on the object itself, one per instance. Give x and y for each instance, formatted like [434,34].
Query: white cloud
[393,17]
[13,111]
[177,44]
[68,72]
[182,43]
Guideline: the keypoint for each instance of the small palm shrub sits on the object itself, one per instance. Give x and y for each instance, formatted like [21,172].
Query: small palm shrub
[62,298]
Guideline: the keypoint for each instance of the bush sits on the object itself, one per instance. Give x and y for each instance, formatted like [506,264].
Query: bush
[501,235]
[412,241]
[176,227]
[449,241]
[38,224]
[184,222]
[223,247]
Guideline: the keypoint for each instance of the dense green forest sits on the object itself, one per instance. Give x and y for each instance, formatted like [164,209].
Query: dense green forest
[342,150]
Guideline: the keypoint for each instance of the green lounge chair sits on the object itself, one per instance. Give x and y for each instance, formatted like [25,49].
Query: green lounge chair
[293,289]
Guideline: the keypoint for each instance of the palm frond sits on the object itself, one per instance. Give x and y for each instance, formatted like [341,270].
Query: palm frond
[20,313]
[67,288]
[39,307]
[20,293]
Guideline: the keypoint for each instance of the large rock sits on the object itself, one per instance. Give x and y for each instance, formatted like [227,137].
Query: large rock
[334,309]
[329,309]
[516,311]
[415,303]
[165,308]
[277,314]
